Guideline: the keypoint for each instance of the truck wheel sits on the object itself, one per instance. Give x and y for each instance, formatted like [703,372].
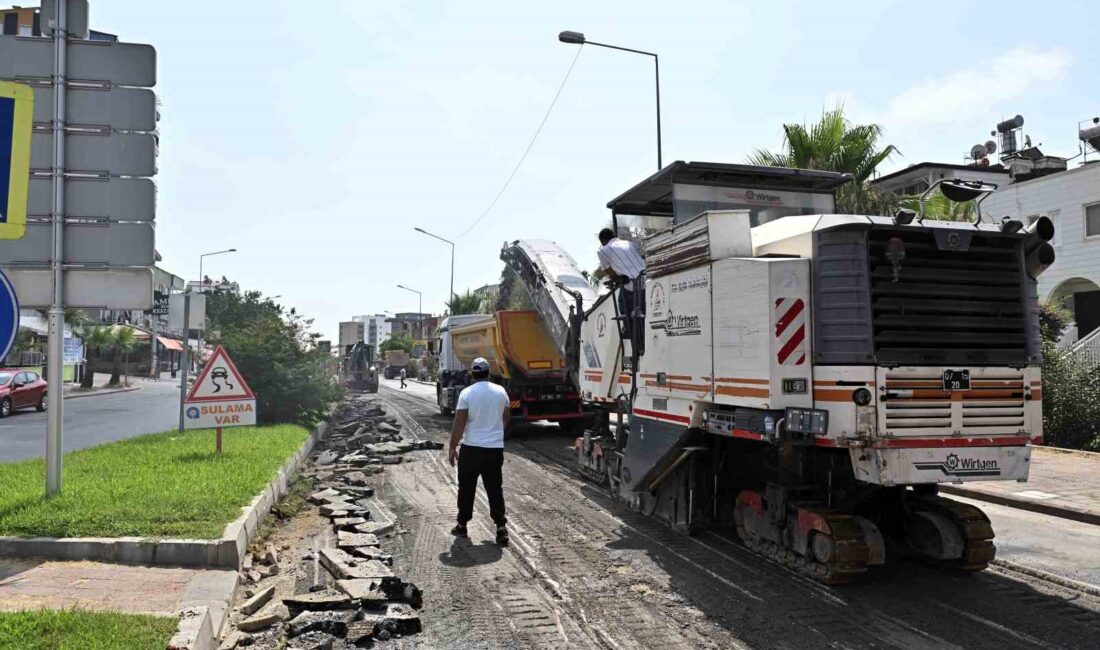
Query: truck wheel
[443,410]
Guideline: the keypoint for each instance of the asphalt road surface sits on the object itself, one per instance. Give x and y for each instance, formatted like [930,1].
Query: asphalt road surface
[586,571]
[93,420]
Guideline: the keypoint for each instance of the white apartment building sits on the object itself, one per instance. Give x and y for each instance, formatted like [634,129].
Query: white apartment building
[376,329]
[1071,199]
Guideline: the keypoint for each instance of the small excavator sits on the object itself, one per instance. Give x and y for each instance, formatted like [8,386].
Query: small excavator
[360,373]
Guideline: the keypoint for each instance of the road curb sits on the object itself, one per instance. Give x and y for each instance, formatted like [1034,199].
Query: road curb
[99,393]
[1064,511]
[226,552]
[206,604]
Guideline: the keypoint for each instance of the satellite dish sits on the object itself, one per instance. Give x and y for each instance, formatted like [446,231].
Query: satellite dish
[977,152]
[990,147]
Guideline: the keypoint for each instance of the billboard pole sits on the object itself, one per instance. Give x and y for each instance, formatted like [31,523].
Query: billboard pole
[55,354]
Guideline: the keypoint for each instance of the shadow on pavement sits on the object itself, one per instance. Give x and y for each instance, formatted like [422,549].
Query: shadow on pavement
[464,554]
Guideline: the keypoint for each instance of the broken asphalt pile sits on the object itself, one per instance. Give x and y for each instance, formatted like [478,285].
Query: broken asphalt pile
[347,595]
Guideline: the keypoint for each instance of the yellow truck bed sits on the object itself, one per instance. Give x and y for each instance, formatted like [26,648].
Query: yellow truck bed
[517,337]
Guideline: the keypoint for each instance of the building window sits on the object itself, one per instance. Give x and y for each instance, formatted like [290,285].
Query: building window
[1092,220]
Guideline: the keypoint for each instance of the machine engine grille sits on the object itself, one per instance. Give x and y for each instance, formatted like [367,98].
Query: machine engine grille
[948,306]
[915,403]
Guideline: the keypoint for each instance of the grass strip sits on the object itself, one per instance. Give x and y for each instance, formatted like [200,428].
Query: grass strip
[82,630]
[162,485]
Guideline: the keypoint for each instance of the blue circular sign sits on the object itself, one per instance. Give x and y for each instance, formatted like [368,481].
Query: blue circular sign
[192,413]
[9,315]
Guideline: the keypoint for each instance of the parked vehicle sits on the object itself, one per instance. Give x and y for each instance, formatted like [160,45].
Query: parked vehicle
[21,389]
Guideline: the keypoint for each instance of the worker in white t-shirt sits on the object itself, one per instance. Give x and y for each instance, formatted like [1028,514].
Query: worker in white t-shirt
[480,418]
[623,263]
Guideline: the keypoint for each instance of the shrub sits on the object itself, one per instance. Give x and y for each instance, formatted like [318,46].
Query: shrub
[1071,390]
[277,354]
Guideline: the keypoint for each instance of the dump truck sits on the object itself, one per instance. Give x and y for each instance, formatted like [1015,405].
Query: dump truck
[396,360]
[453,374]
[360,373]
[523,359]
[808,379]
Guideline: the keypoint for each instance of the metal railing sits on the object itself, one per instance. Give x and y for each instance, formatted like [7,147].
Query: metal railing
[1088,348]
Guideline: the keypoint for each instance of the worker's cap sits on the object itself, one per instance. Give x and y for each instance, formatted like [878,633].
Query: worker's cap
[480,365]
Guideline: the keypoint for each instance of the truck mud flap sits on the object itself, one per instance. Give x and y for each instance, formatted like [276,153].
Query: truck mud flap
[651,448]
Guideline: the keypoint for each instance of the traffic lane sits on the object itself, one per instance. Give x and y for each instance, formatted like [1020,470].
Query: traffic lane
[426,391]
[1060,546]
[93,420]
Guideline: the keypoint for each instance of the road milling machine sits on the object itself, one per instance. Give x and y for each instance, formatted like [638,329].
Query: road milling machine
[810,378]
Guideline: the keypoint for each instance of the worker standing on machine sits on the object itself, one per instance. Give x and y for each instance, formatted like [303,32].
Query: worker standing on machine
[624,263]
[481,415]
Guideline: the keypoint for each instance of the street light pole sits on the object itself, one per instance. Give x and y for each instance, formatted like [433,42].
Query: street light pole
[202,287]
[577,38]
[452,297]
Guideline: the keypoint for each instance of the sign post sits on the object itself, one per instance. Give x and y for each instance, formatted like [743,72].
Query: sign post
[220,398]
[92,145]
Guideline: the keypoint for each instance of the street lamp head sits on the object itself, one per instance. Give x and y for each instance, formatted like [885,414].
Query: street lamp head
[419,229]
[575,38]
[231,250]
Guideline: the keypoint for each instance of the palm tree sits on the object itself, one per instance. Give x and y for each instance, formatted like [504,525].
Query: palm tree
[96,338]
[835,144]
[122,343]
[940,208]
[466,303]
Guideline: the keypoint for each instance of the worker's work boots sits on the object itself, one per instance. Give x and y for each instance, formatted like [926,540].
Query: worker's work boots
[459,531]
[502,535]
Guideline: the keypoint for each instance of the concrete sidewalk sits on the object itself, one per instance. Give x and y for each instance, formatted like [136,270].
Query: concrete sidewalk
[99,384]
[1062,483]
[201,597]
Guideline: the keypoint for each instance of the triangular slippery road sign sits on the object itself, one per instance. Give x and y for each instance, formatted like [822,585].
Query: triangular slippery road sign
[219,381]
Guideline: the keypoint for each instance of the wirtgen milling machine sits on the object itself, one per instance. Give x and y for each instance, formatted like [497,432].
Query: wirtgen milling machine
[810,378]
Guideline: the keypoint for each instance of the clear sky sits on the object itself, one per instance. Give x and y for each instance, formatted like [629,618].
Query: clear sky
[314,136]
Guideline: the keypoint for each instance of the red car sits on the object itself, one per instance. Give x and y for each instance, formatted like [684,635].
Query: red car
[20,389]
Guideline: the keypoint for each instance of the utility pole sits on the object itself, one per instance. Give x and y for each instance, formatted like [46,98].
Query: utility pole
[55,349]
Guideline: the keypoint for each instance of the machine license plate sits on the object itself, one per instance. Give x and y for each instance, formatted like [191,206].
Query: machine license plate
[956,380]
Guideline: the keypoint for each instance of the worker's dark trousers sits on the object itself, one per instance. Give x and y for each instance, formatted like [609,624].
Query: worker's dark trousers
[488,463]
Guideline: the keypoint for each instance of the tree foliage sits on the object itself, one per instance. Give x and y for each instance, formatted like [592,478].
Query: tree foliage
[122,342]
[97,338]
[399,341]
[467,303]
[1071,387]
[277,354]
[940,208]
[835,144]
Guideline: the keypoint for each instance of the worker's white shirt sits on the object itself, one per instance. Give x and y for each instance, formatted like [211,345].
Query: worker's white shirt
[621,257]
[485,402]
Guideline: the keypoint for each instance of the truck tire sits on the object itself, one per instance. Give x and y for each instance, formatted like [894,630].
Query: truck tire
[443,410]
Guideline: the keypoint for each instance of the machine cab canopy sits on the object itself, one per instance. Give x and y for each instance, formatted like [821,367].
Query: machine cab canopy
[682,190]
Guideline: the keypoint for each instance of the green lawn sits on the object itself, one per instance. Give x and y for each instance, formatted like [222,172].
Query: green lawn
[158,485]
[81,630]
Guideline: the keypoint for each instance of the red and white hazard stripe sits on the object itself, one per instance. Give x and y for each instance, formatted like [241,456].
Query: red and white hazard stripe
[790,331]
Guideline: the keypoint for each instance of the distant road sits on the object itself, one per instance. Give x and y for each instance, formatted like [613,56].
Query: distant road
[93,420]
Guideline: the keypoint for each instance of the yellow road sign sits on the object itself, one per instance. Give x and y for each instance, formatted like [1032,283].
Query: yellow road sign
[16,109]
